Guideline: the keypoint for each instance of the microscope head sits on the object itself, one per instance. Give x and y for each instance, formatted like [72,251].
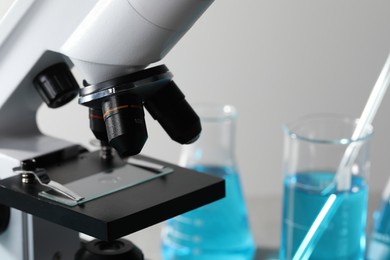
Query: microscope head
[121,37]
[112,47]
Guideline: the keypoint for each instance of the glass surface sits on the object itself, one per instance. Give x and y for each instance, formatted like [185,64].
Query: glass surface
[217,231]
[319,220]
[379,239]
[220,230]
[303,199]
[104,183]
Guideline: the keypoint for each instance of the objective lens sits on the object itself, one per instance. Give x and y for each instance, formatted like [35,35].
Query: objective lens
[125,124]
[169,107]
[97,124]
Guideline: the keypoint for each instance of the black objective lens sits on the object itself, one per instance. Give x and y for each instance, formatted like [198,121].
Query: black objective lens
[97,124]
[169,107]
[125,123]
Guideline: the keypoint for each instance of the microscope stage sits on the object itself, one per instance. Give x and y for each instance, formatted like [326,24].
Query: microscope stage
[122,212]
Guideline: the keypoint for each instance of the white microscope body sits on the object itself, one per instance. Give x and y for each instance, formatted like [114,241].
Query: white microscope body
[104,39]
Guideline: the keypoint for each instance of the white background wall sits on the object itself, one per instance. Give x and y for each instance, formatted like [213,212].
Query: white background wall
[275,61]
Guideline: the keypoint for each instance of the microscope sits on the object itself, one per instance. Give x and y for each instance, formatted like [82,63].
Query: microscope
[51,190]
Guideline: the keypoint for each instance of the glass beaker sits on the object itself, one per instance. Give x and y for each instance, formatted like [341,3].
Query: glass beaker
[379,237]
[313,149]
[220,230]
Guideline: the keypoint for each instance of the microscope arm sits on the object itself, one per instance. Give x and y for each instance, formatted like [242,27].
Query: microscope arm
[31,33]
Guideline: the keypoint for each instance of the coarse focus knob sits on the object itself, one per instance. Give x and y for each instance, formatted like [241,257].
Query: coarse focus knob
[119,249]
[56,85]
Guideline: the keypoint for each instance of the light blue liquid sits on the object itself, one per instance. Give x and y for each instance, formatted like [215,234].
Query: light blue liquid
[379,240]
[217,231]
[344,236]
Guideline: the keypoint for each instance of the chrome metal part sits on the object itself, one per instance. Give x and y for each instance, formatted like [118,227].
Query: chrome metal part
[43,179]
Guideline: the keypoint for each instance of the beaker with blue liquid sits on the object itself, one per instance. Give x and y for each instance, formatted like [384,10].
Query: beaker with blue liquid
[379,237]
[313,149]
[220,230]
